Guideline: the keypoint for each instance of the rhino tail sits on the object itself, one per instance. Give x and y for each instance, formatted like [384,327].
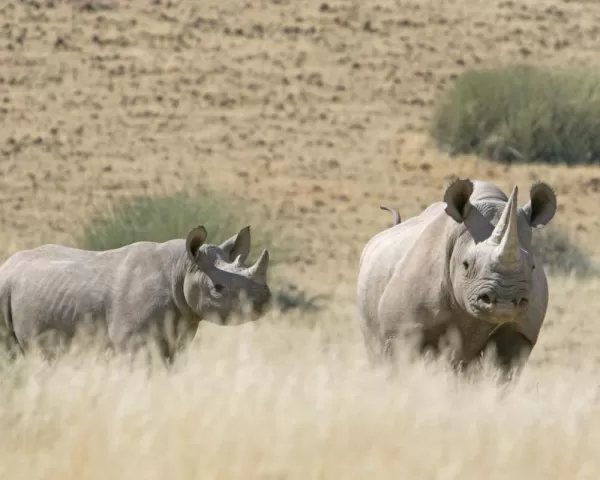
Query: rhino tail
[8,338]
[394,212]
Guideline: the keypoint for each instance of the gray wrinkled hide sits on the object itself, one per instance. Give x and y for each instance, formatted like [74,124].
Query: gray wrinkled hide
[464,264]
[130,292]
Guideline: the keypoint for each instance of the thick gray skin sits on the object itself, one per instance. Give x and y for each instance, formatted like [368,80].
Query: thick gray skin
[130,291]
[465,264]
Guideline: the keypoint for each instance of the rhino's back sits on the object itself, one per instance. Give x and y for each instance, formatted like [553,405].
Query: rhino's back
[49,287]
[397,241]
[47,264]
[394,243]
[486,191]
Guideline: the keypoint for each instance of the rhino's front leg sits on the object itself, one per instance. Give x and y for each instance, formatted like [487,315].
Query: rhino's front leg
[401,333]
[179,334]
[512,350]
[403,341]
[164,334]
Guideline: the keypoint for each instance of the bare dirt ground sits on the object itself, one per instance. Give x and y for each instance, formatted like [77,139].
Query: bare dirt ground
[317,110]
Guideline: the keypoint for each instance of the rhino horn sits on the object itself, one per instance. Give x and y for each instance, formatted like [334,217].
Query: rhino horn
[505,235]
[258,271]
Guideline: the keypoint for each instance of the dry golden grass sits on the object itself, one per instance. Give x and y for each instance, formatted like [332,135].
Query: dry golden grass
[293,398]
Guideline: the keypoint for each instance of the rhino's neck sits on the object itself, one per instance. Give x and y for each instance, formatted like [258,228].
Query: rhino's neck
[178,265]
[451,237]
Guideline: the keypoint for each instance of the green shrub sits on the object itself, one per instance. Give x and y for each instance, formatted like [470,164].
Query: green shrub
[522,113]
[163,217]
[560,254]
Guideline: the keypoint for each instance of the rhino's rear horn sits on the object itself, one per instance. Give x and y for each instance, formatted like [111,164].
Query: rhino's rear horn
[258,271]
[505,235]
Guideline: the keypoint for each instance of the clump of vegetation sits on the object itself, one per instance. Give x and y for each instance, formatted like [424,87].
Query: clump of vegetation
[522,113]
[289,297]
[163,217]
[560,254]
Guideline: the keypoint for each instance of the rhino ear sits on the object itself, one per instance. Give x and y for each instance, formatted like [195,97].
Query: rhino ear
[541,207]
[457,198]
[194,241]
[238,244]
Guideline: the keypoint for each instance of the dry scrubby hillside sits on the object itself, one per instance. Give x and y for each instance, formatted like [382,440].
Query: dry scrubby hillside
[315,113]
[316,110]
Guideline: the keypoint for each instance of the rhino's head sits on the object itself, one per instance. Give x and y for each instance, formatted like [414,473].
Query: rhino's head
[491,268]
[218,282]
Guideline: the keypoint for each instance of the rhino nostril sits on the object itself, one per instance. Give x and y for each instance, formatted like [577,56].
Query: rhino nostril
[485,298]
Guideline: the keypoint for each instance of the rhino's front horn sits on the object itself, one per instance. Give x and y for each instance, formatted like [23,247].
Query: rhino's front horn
[259,269]
[505,235]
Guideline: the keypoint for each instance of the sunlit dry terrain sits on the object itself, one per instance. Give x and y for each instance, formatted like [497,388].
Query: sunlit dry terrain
[316,112]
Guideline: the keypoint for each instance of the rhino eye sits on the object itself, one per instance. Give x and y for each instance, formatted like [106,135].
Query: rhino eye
[465,264]
[532,268]
[219,288]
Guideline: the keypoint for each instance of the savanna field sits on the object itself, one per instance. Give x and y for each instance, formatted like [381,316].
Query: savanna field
[122,121]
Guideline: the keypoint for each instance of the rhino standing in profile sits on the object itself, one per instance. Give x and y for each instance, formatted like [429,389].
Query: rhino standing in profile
[132,290]
[464,264]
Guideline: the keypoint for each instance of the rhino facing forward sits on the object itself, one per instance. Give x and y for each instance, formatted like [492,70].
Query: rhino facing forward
[132,289]
[465,263]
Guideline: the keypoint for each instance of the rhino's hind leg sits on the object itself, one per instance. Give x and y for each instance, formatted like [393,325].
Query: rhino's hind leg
[511,350]
[10,348]
[50,343]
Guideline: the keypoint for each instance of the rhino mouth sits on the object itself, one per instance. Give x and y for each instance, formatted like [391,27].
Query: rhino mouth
[496,314]
[261,307]
[502,319]
[252,309]
[262,304]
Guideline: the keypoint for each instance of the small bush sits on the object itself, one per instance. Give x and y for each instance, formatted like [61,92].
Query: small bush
[161,218]
[289,297]
[560,254]
[522,113]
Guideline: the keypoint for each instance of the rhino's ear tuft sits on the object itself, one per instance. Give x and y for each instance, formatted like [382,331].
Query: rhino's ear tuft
[541,207]
[195,240]
[457,198]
